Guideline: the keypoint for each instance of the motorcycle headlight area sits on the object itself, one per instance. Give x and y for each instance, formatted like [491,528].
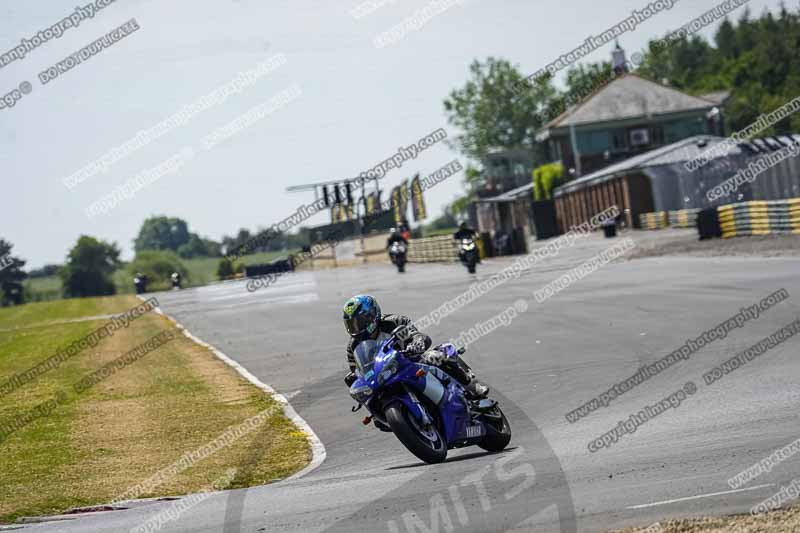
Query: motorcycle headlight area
[361,394]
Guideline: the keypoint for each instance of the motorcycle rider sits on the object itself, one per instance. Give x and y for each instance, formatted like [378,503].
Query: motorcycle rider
[464,232]
[176,280]
[394,237]
[363,320]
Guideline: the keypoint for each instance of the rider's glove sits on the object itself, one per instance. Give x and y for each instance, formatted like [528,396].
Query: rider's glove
[433,358]
[416,346]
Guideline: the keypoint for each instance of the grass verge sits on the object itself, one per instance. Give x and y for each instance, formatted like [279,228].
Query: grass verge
[140,419]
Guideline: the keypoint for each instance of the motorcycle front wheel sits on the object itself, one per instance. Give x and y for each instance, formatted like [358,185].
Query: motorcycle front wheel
[498,433]
[424,442]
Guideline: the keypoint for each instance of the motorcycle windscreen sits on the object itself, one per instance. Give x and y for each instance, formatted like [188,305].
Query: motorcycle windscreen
[365,354]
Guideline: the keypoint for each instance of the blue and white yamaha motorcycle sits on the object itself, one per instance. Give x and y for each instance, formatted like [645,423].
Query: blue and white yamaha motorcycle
[426,409]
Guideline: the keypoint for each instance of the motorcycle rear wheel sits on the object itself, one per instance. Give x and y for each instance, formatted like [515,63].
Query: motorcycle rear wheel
[431,448]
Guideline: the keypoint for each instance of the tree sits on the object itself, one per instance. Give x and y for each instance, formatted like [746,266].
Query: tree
[89,267]
[11,276]
[496,109]
[199,247]
[162,233]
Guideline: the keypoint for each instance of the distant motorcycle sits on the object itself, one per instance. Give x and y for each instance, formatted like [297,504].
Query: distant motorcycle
[176,281]
[468,252]
[398,253]
[426,409]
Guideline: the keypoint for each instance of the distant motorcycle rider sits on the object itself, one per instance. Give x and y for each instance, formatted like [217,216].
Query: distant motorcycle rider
[394,237]
[363,320]
[464,232]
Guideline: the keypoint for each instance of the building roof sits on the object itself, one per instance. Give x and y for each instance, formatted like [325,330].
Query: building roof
[718,97]
[678,152]
[627,97]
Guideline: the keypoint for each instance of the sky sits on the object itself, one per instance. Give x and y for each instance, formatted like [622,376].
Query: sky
[352,104]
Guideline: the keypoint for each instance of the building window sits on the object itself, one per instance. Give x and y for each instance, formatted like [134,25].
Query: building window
[657,134]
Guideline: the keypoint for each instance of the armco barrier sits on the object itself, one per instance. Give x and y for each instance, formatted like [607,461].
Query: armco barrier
[433,250]
[685,218]
[760,218]
[657,220]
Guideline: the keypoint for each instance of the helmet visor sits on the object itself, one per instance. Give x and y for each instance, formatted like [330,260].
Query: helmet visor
[358,325]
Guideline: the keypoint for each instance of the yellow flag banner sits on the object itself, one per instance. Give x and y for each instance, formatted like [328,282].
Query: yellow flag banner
[418,200]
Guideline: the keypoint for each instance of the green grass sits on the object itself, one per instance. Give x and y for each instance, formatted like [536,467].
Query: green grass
[139,420]
[438,232]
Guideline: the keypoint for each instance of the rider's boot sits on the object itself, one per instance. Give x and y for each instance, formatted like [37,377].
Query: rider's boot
[464,374]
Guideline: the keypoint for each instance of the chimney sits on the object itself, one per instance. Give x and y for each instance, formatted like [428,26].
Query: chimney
[618,60]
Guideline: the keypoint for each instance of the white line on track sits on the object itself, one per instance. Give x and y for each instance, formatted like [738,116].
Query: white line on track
[666,502]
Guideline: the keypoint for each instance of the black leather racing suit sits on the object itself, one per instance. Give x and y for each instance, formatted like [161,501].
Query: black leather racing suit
[395,238]
[388,323]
